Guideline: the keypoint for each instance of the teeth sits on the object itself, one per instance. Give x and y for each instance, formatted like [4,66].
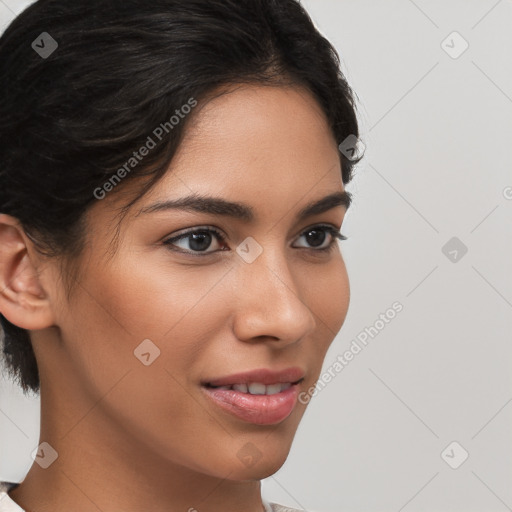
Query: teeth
[272,389]
[257,388]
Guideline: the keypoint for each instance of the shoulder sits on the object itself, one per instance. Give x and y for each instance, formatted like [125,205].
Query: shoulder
[275,507]
[6,503]
[7,486]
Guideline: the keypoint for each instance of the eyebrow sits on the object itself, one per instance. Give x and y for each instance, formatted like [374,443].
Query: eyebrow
[219,206]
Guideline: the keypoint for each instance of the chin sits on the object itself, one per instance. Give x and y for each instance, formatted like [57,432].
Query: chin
[260,470]
[266,463]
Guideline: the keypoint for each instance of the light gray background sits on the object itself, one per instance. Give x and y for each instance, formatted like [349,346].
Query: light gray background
[438,136]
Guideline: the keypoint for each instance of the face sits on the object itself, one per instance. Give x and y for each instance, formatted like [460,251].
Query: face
[194,296]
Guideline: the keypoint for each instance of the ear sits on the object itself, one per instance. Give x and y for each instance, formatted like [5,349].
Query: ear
[23,300]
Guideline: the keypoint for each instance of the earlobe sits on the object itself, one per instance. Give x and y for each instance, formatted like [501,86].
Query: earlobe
[23,300]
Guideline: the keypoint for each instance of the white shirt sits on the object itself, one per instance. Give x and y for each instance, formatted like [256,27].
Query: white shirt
[7,504]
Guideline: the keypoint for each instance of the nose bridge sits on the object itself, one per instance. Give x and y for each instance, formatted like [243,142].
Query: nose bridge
[270,302]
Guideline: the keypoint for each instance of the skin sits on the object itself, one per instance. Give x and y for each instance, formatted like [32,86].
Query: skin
[131,437]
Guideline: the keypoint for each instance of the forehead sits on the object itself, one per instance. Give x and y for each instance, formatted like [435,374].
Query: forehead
[255,142]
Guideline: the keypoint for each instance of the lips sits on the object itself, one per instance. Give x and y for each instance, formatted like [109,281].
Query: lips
[263,376]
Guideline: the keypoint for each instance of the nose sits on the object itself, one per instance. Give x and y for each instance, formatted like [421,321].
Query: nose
[269,303]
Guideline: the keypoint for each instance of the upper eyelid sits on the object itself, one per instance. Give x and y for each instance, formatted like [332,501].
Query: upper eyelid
[217,232]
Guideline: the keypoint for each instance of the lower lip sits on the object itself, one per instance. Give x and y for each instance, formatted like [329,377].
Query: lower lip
[257,409]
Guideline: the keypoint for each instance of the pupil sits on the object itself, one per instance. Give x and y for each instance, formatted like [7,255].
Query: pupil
[320,239]
[198,239]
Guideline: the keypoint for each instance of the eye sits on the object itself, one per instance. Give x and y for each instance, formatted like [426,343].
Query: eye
[317,235]
[197,240]
[200,239]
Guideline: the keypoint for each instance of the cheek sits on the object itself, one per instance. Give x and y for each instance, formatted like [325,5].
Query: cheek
[153,405]
[117,309]
[148,298]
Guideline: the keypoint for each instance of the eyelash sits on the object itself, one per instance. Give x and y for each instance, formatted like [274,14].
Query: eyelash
[336,235]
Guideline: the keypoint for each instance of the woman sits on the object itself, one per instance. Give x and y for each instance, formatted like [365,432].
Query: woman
[172,193]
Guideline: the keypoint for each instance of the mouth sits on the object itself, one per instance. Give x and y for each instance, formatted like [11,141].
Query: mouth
[257,388]
[261,397]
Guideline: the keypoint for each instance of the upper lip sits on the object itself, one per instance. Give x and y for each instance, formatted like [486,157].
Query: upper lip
[261,375]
